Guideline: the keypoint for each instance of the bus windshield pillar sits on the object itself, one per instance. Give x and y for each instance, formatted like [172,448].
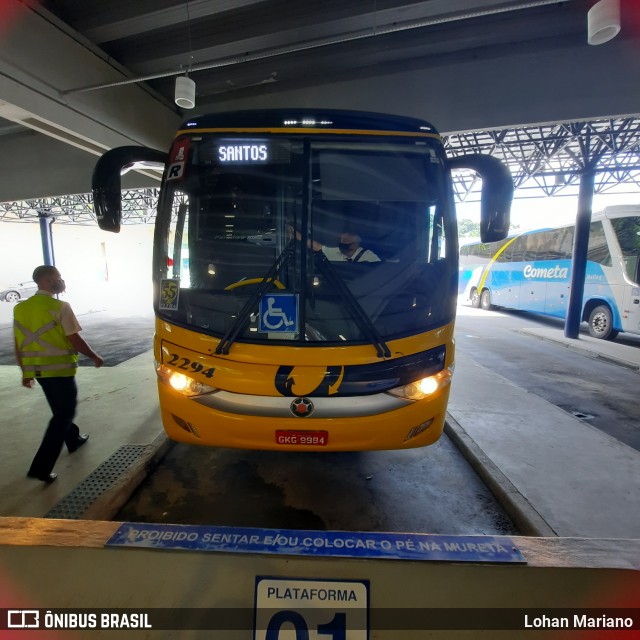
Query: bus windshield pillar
[580,246]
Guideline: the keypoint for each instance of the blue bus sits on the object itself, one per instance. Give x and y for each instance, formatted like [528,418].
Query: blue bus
[532,272]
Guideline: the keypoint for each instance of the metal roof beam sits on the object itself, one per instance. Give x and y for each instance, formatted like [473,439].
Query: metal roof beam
[42,59]
[544,159]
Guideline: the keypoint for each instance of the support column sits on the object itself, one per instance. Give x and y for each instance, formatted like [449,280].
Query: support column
[46,220]
[580,245]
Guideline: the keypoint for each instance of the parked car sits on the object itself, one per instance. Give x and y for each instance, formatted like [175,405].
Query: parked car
[19,291]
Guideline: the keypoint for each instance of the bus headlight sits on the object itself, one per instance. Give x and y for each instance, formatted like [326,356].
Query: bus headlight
[182,383]
[425,387]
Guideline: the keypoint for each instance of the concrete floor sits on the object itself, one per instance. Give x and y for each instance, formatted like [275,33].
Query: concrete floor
[432,490]
[117,405]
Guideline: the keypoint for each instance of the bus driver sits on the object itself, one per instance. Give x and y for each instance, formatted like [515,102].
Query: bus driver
[349,249]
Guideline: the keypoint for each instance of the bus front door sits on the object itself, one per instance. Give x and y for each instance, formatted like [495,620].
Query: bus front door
[631,309]
[557,297]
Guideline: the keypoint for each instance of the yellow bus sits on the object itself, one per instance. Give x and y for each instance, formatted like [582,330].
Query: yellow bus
[315,310]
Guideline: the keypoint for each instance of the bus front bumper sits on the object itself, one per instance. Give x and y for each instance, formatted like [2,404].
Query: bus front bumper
[349,423]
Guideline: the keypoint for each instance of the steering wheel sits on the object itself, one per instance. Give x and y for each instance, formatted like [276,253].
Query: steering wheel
[244,283]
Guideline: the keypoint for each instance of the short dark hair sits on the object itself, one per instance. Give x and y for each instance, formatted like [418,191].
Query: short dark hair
[43,271]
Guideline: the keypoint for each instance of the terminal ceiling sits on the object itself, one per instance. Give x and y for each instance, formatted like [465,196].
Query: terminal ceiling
[77,77]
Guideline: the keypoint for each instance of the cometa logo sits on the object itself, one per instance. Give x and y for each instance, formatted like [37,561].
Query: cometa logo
[553,272]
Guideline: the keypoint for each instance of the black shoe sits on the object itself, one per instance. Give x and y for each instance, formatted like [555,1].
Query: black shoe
[47,477]
[79,442]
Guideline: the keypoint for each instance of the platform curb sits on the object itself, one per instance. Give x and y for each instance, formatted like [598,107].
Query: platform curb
[519,509]
[583,349]
[107,504]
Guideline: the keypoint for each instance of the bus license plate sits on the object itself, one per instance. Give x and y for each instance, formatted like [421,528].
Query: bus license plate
[311,438]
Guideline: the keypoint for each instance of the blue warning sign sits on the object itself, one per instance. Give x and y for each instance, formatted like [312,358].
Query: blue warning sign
[356,544]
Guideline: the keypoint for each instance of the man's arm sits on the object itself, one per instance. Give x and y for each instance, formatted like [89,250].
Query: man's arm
[316,245]
[78,343]
[26,382]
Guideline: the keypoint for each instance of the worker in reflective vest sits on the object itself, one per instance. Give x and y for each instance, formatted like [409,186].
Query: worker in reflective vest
[47,343]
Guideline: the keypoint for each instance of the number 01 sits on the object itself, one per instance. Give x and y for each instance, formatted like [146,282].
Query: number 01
[337,628]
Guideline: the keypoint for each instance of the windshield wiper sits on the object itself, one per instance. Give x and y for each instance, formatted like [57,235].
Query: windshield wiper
[232,332]
[357,312]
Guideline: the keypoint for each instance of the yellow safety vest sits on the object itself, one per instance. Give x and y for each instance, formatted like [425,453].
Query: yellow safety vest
[44,349]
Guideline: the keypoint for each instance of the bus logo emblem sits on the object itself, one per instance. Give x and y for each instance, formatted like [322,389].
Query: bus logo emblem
[302,407]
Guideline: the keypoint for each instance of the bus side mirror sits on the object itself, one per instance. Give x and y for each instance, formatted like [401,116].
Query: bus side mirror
[105,184]
[497,193]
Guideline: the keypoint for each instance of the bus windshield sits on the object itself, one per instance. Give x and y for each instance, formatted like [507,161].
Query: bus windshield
[380,254]
[627,231]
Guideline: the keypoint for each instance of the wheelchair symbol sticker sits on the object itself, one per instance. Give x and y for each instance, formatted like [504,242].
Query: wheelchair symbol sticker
[278,313]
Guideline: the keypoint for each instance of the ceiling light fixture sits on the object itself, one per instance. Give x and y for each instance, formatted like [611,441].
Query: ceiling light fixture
[185,96]
[603,21]
[185,92]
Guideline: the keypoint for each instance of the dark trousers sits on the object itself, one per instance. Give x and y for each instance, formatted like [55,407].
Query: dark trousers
[62,396]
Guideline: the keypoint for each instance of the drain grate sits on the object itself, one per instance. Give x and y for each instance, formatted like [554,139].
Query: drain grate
[581,416]
[73,506]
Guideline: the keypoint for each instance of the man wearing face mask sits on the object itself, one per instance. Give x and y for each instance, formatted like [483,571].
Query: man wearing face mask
[348,250]
[47,342]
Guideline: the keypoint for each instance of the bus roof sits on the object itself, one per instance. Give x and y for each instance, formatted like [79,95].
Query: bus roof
[620,211]
[614,211]
[310,118]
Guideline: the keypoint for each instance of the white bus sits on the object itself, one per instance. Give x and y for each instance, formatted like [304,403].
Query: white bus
[532,272]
